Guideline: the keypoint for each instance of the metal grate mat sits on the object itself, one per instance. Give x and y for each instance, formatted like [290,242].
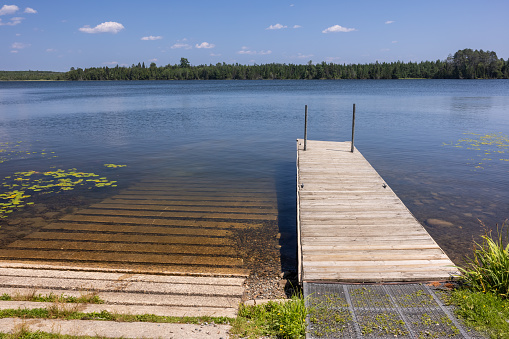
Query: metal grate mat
[380,311]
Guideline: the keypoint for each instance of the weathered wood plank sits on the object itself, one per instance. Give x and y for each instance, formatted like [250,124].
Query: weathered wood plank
[353,227]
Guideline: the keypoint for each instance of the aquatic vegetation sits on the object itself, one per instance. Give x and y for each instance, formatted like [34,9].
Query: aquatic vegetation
[114,166]
[15,188]
[488,147]
[18,150]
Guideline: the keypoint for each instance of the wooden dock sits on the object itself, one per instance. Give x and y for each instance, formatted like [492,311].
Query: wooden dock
[353,228]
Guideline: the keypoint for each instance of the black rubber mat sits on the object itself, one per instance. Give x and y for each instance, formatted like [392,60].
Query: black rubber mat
[380,311]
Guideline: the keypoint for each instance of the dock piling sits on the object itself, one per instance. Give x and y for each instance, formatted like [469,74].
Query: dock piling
[305,126]
[353,127]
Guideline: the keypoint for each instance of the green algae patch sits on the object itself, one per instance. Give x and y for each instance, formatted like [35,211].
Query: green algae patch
[19,150]
[114,166]
[486,147]
[20,186]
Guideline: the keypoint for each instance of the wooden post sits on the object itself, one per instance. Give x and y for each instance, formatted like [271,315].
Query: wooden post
[353,126]
[305,127]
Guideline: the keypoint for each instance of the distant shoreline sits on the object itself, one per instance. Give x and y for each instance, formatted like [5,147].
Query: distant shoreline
[157,80]
[465,64]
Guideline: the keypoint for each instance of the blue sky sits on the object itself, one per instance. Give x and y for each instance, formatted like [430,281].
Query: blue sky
[60,34]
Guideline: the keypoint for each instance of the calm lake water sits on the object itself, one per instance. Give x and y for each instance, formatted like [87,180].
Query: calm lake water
[442,145]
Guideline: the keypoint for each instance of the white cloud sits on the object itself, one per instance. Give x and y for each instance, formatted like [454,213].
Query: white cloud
[13,21]
[245,50]
[50,50]
[30,10]
[14,51]
[385,50]
[303,56]
[153,60]
[292,5]
[105,27]
[111,63]
[151,37]
[181,45]
[8,9]
[297,26]
[388,22]
[205,45]
[214,54]
[19,45]
[276,26]
[338,28]
[394,42]
[332,59]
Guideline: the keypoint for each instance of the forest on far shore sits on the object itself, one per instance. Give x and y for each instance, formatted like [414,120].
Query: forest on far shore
[464,64]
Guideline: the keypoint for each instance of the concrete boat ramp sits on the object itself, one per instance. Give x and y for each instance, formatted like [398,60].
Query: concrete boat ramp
[164,246]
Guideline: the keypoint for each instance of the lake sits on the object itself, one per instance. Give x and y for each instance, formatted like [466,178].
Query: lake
[442,145]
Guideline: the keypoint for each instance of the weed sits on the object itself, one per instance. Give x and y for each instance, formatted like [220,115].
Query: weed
[69,312]
[285,319]
[488,269]
[87,298]
[485,312]
[418,298]
[372,296]
[5,297]
[383,324]
[328,314]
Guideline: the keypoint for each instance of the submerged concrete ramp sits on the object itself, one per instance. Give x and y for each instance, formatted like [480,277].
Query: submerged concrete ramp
[180,225]
[164,246]
[353,228]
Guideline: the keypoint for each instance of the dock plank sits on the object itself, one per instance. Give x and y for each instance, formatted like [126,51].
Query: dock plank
[352,227]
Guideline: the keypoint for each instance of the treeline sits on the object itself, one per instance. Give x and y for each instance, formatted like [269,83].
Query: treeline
[464,64]
[32,75]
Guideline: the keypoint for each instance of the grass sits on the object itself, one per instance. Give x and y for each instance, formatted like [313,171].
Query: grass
[70,312]
[488,269]
[285,319]
[484,312]
[66,311]
[87,298]
[483,300]
[23,332]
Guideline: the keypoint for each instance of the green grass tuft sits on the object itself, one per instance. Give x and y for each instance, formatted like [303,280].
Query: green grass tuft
[285,319]
[484,312]
[487,270]
[70,312]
